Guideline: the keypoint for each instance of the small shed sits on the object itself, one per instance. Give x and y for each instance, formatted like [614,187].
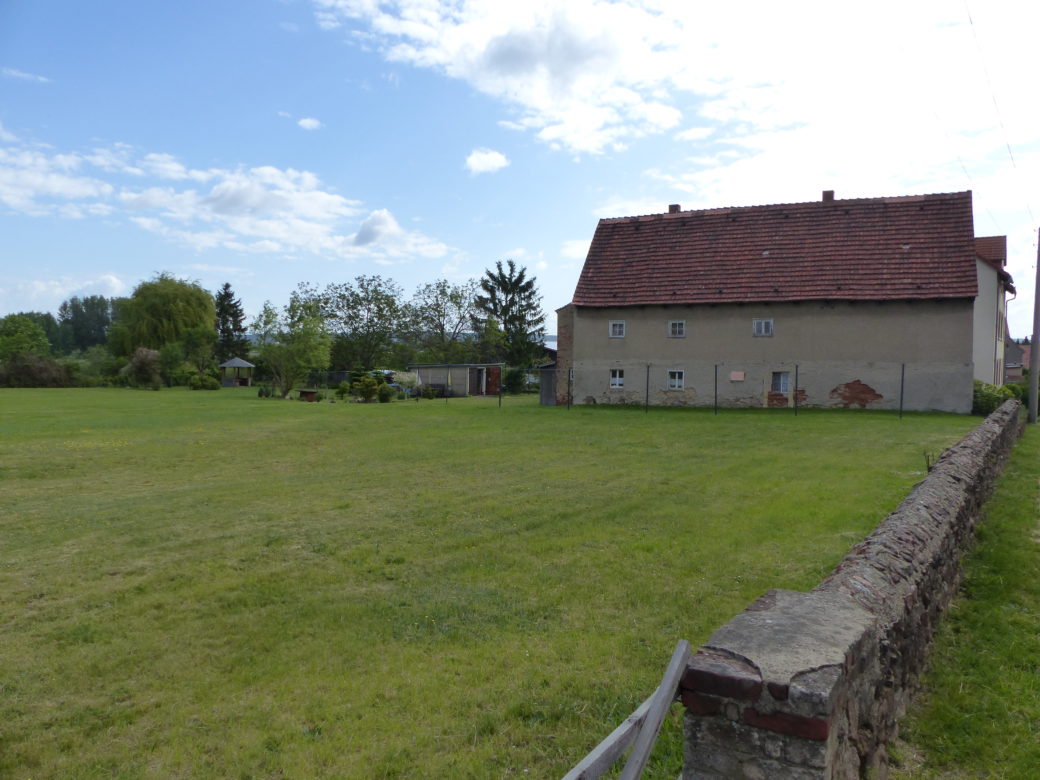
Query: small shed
[236,373]
[460,379]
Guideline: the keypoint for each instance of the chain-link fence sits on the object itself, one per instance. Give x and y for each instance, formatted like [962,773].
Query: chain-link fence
[788,384]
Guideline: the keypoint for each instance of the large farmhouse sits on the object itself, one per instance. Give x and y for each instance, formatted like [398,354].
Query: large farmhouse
[876,302]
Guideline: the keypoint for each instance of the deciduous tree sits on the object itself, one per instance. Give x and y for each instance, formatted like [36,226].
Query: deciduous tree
[21,335]
[159,312]
[364,318]
[292,342]
[83,322]
[439,316]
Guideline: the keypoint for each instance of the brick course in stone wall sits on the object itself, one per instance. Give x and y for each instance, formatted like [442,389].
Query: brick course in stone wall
[811,685]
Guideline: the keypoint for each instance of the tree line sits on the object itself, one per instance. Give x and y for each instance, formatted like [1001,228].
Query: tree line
[173,331]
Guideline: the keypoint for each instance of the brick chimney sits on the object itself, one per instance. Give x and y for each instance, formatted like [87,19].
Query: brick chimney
[673,208]
[828,196]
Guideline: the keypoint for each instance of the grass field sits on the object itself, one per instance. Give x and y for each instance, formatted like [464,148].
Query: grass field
[213,585]
[980,713]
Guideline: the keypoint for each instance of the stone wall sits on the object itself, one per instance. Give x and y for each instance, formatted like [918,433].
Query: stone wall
[811,685]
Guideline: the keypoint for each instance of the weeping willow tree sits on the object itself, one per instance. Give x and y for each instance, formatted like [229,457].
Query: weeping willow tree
[160,312]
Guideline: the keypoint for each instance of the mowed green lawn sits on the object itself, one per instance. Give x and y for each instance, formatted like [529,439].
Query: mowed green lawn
[213,585]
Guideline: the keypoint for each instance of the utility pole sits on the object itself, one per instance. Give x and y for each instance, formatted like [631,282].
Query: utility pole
[1034,369]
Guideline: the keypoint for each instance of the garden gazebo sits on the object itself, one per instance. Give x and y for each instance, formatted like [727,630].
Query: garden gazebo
[236,373]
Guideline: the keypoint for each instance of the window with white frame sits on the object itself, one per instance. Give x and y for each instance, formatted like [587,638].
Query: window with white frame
[617,377]
[676,380]
[677,329]
[762,327]
[781,382]
[617,329]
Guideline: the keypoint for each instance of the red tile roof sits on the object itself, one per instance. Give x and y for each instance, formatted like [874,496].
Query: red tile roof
[993,250]
[903,248]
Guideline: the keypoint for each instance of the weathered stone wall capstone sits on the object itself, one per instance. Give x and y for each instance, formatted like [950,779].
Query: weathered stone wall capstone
[811,685]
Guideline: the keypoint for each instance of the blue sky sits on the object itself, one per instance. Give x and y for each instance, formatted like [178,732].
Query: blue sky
[272,142]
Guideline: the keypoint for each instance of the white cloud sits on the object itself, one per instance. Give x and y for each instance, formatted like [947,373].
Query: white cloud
[309,123]
[575,250]
[166,166]
[485,161]
[30,181]
[48,294]
[694,134]
[6,135]
[588,77]
[833,94]
[13,73]
[381,228]
[260,210]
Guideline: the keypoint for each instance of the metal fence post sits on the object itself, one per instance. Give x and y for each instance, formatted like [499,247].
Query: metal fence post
[795,389]
[646,405]
[902,384]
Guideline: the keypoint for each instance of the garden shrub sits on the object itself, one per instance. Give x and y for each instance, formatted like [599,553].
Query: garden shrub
[386,393]
[366,388]
[987,397]
[144,368]
[203,382]
[26,369]
[343,390]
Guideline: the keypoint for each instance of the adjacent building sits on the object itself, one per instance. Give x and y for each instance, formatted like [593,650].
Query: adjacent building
[874,302]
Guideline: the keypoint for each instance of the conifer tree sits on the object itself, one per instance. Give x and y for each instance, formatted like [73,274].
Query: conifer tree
[513,302]
[231,331]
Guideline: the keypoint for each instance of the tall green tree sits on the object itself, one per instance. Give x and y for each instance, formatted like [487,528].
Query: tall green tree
[83,322]
[513,301]
[198,344]
[20,334]
[50,325]
[159,312]
[364,318]
[439,316]
[293,342]
[231,330]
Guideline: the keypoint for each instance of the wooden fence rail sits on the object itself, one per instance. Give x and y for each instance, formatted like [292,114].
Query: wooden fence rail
[641,728]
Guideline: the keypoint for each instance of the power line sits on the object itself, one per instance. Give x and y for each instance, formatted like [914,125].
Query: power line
[993,96]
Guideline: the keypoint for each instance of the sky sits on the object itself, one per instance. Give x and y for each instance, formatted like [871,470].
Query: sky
[275,142]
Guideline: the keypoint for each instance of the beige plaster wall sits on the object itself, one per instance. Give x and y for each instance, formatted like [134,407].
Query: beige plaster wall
[988,335]
[845,354]
[438,375]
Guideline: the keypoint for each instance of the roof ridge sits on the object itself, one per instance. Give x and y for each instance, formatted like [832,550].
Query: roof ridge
[728,209]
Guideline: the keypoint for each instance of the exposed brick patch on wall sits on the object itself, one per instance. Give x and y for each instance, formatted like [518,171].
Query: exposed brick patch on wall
[855,393]
[811,685]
